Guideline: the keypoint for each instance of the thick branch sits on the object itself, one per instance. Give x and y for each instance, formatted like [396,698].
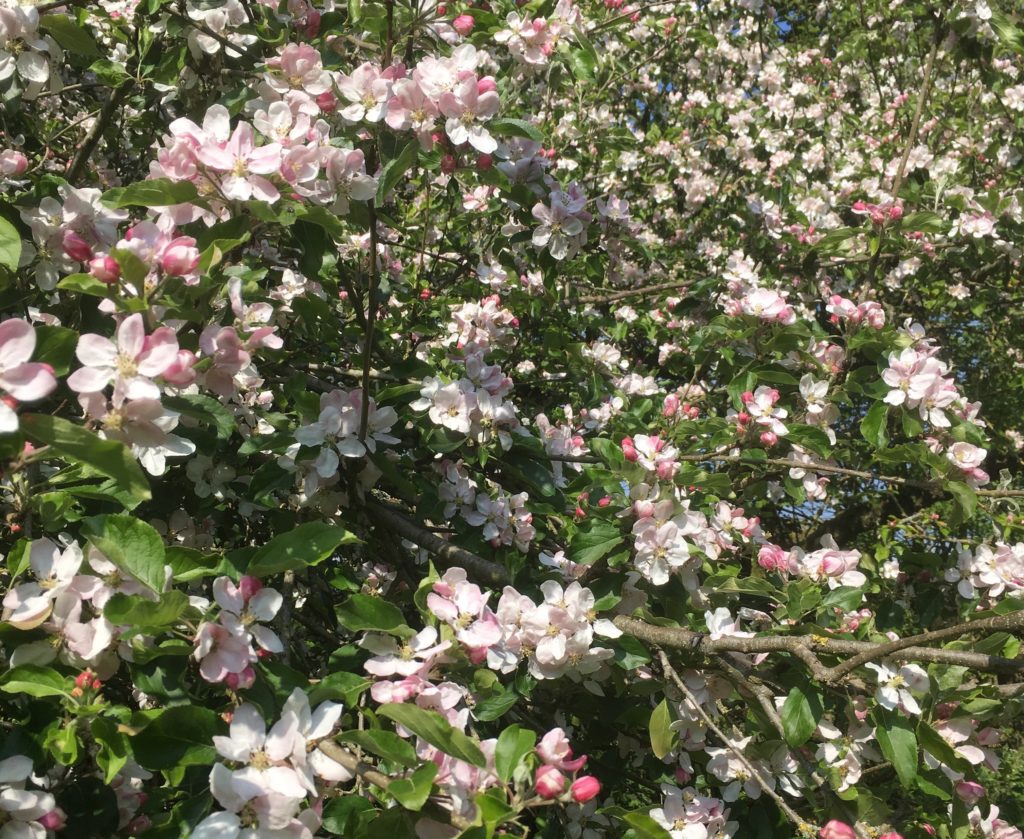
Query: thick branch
[448,555]
[808,647]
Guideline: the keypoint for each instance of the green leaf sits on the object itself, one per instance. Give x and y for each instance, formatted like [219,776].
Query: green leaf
[158,192]
[846,598]
[515,128]
[342,686]
[495,707]
[341,814]
[55,345]
[79,445]
[132,545]
[385,744]
[206,409]
[873,425]
[898,743]
[129,610]
[644,826]
[514,743]
[72,37]
[584,60]
[413,792]
[113,751]
[597,540]
[800,714]
[35,681]
[362,611]
[933,743]
[663,737]
[308,544]
[179,736]
[436,730]
[811,438]
[396,168]
[965,501]
[10,245]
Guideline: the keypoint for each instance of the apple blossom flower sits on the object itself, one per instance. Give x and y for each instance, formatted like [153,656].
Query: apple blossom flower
[132,363]
[467,108]
[895,686]
[367,91]
[24,380]
[54,570]
[244,165]
[549,782]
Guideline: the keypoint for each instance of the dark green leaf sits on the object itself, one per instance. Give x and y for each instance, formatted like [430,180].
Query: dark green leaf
[77,444]
[385,744]
[70,35]
[898,743]
[514,743]
[515,128]
[128,610]
[35,681]
[436,730]
[206,409]
[396,168]
[801,713]
[308,544]
[413,792]
[132,545]
[361,612]
[180,736]
[873,425]
[598,539]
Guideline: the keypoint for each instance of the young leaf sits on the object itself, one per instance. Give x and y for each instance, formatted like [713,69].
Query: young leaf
[79,445]
[35,681]
[385,744]
[873,425]
[10,245]
[899,745]
[515,128]
[180,736]
[800,715]
[396,168]
[514,743]
[308,544]
[413,792]
[132,545]
[598,540]
[361,612]
[128,610]
[663,737]
[436,730]
[157,192]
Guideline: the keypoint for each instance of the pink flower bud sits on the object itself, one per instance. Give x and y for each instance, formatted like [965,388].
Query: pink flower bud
[859,206]
[463,24]
[836,829]
[449,164]
[746,397]
[643,509]
[327,101]
[550,783]
[742,417]
[628,450]
[54,820]
[181,372]
[604,502]
[248,586]
[895,212]
[666,469]
[486,84]
[180,257]
[970,792]
[670,405]
[105,269]
[76,247]
[928,829]
[442,9]
[892,834]
[769,438]
[312,26]
[484,162]
[683,776]
[585,788]
[12,163]
[242,680]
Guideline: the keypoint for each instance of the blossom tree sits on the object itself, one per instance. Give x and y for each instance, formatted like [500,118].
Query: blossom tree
[511,419]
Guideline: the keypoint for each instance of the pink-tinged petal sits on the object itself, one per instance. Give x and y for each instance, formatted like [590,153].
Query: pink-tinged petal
[8,419]
[265,160]
[227,595]
[266,638]
[17,343]
[28,382]
[160,353]
[265,603]
[324,720]
[139,388]
[328,769]
[247,727]
[220,159]
[131,336]
[217,123]
[96,351]
[263,190]
[90,379]
[218,826]
[487,104]
[235,188]
[281,739]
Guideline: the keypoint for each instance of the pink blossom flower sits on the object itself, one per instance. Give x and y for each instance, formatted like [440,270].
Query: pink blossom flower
[367,91]
[835,829]
[549,783]
[22,379]
[132,363]
[467,109]
[244,165]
